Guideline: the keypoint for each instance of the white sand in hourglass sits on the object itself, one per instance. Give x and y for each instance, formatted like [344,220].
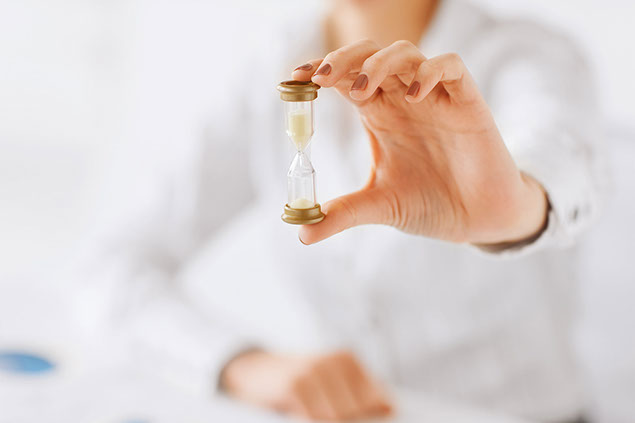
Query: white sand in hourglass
[301,203]
[300,128]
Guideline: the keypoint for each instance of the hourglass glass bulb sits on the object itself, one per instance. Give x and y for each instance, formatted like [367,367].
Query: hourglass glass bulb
[299,119]
[301,183]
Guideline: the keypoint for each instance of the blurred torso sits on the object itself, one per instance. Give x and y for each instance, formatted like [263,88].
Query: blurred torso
[422,314]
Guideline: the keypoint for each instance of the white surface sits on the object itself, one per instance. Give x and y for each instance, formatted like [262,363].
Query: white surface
[98,386]
[117,395]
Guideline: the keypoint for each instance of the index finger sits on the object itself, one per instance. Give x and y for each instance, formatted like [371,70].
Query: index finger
[339,63]
[305,71]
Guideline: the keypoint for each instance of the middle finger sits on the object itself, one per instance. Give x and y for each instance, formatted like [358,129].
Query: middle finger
[400,58]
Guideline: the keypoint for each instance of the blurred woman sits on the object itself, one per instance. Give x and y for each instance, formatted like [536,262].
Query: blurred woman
[481,136]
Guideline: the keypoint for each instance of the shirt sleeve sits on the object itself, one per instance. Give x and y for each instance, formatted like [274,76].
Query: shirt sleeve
[542,95]
[188,349]
[169,195]
[181,176]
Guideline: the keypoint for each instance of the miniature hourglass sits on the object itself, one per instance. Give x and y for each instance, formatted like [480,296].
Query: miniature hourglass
[302,207]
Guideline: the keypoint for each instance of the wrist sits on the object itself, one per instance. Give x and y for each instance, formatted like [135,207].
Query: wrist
[529,217]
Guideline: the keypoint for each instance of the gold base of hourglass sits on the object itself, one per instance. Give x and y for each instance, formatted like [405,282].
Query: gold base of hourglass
[302,216]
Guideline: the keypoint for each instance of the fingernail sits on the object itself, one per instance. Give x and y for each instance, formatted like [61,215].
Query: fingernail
[360,83]
[305,67]
[414,89]
[324,70]
[301,240]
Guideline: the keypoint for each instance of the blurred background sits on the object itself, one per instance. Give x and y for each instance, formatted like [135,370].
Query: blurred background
[78,79]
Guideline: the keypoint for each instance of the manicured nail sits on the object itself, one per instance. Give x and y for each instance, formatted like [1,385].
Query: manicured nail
[305,67]
[324,70]
[360,83]
[414,89]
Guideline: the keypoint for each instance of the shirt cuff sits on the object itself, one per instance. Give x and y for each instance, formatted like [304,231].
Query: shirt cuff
[190,351]
[524,247]
[564,174]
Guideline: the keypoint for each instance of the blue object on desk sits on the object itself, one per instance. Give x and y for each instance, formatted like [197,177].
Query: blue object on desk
[24,362]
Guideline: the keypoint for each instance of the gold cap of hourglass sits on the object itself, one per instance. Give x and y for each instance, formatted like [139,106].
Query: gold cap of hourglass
[302,216]
[298,90]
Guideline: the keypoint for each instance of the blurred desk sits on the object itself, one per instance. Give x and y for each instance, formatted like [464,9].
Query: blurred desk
[107,389]
[121,395]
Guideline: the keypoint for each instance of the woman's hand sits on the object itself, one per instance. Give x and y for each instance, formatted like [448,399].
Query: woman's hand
[330,387]
[440,167]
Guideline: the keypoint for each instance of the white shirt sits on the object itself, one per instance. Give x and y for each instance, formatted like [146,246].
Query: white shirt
[205,268]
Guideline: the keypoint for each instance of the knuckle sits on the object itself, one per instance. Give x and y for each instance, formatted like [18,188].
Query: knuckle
[367,42]
[323,364]
[431,67]
[315,368]
[373,62]
[403,44]
[343,357]
[454,58]
[312,369]
[333,56]
[422,67]
[294,386]
[362,45]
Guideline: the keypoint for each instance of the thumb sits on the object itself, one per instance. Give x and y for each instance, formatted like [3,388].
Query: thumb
[358,208]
